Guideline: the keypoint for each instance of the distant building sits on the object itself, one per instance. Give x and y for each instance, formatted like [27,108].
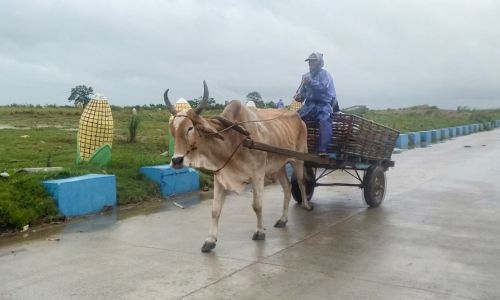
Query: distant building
[251,104]
[182,104]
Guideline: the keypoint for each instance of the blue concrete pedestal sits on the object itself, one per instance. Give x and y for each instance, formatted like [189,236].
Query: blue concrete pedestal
[435,136]
[82,195]
[173,181]
[425,138]
[452,132]
[402,141]
[465,130]
[414,139]
[445,133]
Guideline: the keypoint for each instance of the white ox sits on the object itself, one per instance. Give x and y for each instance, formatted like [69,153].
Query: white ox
[208,143]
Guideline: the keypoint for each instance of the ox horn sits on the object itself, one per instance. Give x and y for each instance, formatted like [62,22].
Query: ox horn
[204,102]
[169,105]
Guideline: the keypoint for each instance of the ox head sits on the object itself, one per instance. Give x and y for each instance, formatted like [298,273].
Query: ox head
[188,129]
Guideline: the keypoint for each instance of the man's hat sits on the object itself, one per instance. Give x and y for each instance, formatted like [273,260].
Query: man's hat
[314,56]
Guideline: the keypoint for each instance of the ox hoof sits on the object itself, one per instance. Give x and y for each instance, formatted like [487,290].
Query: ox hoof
[308,206]
[259,236]
[280,224]
[207,246]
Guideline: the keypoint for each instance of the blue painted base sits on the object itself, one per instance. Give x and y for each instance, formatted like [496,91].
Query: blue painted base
[82,195]
[173,181]
[452,132]
[402,141]
[445,133]
[435,136]
[154,172]
[414,139]
[425,138]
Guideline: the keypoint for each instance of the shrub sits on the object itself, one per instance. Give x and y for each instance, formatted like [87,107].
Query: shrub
[133,125]
[24,201]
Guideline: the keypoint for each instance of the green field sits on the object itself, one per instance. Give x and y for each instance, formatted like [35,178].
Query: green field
[46,136]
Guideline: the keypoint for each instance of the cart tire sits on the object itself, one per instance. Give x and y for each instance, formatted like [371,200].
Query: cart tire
[310,185]
[374,186]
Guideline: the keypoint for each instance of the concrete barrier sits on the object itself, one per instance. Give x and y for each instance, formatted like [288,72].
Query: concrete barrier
[413,139]
[82,195]
[402,141]
[173,181]
[425,138]
[435,136]
[445,133]
[465,130]
[452,132]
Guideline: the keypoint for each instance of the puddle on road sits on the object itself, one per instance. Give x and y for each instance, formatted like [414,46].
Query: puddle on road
[7,126]
[84,224]
[48,232]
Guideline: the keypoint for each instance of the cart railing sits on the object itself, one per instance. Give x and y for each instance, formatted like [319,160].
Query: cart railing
[354,136]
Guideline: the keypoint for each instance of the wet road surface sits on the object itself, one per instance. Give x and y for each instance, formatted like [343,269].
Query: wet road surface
[436,236]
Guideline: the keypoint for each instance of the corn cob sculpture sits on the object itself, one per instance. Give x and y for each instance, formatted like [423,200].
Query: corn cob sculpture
[95,132]
[294,106]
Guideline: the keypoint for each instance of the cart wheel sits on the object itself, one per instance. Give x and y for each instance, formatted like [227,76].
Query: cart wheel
[310,184]
[374,185]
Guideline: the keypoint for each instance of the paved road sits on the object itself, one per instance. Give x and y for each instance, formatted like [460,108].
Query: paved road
[437,236]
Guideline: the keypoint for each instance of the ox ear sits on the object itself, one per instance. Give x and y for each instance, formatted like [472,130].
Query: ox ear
[169,105]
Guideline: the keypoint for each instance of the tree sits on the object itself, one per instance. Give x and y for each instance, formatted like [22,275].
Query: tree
[210,103]
[194,102]
[81,94]
[270,104]
[256,98]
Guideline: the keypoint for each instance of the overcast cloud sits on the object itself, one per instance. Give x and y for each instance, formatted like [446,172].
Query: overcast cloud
[383,54]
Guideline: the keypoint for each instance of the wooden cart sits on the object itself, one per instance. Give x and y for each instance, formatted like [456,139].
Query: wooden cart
[359,146]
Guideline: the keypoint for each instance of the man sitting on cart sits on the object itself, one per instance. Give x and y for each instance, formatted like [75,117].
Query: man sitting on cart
[318,92]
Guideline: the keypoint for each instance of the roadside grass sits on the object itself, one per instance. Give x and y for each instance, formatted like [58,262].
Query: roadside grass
[41,136]
[429,117]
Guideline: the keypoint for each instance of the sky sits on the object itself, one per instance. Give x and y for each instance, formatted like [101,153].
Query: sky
[382,54]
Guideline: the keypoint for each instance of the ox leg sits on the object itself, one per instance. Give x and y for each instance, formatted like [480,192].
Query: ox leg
[298,168]
[258,189]
[219,196]
[285,184]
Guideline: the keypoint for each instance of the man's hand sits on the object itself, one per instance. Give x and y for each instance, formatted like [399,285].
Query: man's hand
[306,80]
[297,97]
